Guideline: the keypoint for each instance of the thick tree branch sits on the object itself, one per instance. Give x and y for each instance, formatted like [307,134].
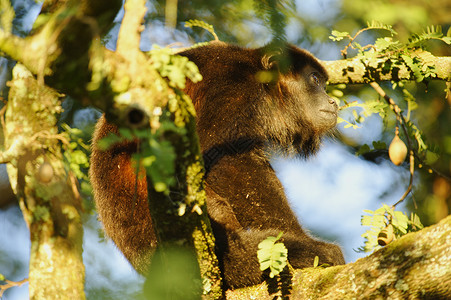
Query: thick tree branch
[416,266]
[353,70]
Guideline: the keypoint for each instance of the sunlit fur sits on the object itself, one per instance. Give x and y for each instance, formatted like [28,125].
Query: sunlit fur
[238,119]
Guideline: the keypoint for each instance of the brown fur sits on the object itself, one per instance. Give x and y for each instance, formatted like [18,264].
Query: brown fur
[238,120]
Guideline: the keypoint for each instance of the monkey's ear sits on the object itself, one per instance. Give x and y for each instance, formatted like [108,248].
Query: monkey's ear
[269,61]
[269,74]
[275,57]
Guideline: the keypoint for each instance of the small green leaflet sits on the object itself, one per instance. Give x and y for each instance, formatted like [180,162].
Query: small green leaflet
[338,36]
[272,255]
[316,261]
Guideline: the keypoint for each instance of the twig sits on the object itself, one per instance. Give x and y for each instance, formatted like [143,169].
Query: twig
[397,110]
[10,284]
[403,121]
[344,52]
[49,136]
[409,188]
[347,105]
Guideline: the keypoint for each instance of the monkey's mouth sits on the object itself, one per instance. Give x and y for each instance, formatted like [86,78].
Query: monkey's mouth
[329,112]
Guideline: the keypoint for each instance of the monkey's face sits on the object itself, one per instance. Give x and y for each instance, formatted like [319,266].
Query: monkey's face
[317,108]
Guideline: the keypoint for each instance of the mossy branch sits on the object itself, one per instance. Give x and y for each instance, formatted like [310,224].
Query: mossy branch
[63,51]
[39,179]
[415,266]
[353,70]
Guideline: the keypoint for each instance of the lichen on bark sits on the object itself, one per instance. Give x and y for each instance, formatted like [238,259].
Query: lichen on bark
[48,203]
[415,266]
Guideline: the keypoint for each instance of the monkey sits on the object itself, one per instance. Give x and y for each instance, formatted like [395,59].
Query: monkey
[250,103]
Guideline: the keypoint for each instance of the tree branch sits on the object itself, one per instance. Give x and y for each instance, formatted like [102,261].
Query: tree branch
[129,35]
[9,284]
[353,70]
[415,266]
[67,47]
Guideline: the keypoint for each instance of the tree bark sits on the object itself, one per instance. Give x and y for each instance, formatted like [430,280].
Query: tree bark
[45,192]
[416,266]
[354,70]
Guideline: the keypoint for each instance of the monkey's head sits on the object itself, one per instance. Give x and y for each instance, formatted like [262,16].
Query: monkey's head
[274,97]
[305,111]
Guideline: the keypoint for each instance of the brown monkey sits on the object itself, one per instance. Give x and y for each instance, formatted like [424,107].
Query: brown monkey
[248,103]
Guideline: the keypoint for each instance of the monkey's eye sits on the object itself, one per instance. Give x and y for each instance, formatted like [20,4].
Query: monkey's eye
[314,77]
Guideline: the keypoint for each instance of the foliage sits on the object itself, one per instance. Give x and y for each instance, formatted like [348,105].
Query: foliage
[76,157]
[175,68]
[380,219]
[275,13]
[169,273]
[272,255]
[389,55]
[156,153]
[202,24]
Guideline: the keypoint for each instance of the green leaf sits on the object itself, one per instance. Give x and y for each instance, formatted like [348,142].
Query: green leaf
[108,141]
[415,222]
[363,149]
[366,220]
[338,36]
[126,133]
[272,255]
[379,145]
[174,68]
[383,43]
[316,261]
[337,93]
[159,163]
[400,221]
[379,25]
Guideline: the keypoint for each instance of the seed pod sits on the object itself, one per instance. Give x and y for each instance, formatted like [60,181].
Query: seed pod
[45,173]
[397,151]
[386,235]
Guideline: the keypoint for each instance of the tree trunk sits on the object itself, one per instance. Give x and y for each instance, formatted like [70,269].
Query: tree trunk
[45,191]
